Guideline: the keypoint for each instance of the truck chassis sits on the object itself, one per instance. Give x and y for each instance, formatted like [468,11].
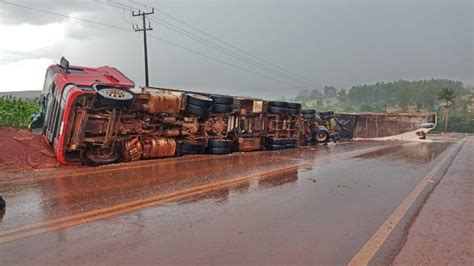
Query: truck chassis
[92,116]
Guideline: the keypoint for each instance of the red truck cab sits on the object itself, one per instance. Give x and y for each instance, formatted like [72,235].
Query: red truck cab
[64,86]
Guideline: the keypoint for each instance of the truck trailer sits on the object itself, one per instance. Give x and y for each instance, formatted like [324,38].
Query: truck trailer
[93,116]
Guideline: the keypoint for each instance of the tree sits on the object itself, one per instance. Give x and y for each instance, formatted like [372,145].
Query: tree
[365,107]
[330,91]
[447,96]
[404,98]
[342,96]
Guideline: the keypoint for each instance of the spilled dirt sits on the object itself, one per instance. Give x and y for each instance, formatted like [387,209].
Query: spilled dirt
[21,150]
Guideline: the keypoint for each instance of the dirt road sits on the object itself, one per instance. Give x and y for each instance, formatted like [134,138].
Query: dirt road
[301,206]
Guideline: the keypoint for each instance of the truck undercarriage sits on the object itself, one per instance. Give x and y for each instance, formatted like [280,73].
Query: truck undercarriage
[105,122]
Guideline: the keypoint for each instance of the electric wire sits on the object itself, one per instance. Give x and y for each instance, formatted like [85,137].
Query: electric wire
[152,36]
[226,43]
[201,40]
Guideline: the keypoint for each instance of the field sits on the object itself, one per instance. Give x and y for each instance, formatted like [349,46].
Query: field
[16,112]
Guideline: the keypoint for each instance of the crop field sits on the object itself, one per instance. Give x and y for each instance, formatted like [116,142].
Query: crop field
[16,112]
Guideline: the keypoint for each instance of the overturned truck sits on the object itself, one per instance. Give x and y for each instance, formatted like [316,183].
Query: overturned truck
[92,115]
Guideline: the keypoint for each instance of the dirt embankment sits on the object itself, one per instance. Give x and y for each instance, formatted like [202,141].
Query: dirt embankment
[21,150]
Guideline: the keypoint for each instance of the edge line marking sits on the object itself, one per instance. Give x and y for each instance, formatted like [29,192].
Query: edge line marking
[370,248]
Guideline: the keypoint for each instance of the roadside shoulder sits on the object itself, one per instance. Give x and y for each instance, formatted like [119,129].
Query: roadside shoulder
[443,232]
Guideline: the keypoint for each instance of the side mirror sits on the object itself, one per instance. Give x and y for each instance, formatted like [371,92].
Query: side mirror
[64,63]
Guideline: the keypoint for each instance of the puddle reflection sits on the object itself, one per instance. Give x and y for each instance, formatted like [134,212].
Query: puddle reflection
[421,153]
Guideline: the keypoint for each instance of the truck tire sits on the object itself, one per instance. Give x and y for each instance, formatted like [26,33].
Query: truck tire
[198,100]
[277,110]
[3,204]
[114,97]
[326,115]
[200,112]
[219,151]
[291,146]
[191,148]
[293,111]
[308,111]
[94,158]
[275,141]
[278,104]
[275,147]
[321,136]
[219,143]
[227,100]
[309,116]
[218,108]
[295,106]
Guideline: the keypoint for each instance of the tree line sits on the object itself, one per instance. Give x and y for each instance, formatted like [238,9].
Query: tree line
[447,97]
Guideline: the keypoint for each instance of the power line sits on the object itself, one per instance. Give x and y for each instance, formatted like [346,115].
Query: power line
[152,36]
[216,59]
[226,43]
[67,16]
[129,9]
[221,49]
[197,38]
[201,40]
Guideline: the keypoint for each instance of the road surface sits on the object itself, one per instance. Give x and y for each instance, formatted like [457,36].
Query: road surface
[303,206]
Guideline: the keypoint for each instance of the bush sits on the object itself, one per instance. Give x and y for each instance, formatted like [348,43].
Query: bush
[16,112]
[461,122]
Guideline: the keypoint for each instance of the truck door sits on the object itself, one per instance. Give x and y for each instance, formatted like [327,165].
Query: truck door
[51,102]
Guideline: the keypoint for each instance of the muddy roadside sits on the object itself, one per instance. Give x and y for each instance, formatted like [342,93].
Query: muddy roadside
[23,151]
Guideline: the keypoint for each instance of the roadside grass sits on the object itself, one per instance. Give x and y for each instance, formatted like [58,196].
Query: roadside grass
[16,112]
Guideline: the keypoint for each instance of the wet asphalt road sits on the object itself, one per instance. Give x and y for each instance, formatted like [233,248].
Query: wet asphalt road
[302,206]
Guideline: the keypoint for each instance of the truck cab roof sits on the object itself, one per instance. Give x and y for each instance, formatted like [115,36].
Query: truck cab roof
[87,77]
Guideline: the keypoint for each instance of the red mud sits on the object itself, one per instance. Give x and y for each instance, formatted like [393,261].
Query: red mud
[21,150]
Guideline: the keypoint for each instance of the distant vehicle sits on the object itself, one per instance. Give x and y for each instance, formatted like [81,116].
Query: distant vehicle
[424,129]
[92,115]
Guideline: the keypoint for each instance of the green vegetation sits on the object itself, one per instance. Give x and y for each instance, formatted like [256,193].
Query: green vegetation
[16,112]
[447,97]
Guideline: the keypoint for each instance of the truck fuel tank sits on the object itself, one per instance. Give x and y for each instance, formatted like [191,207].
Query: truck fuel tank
[157,102]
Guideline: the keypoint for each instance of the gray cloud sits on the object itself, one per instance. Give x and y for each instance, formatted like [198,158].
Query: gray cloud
[341,43]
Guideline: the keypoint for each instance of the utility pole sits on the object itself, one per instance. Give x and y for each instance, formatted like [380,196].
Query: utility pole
[144,29]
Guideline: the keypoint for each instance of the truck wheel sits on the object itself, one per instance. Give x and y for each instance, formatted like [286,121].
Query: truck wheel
[218,108]
[322,136]
[3,204]
[219,151]
[277,110]
[191,148]
[200,112]
[115,97]
[308,111]
[278,104]
[291,146]
[326,115]
[293,111]
[275,147]
[295,106]
[198,100]
[275,141]
[309,116]
[97,157]
[219,143]
[227,100]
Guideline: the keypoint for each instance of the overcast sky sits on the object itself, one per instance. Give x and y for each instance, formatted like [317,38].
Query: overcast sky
[340,43]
